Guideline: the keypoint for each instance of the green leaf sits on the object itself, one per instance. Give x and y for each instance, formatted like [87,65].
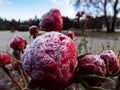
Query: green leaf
[114,50]
[96,88]
[29,37]
[116,74]
[80,78]
[107,68]
[91,75]
[33,84]
[86,86]
[119,53]
[103,47]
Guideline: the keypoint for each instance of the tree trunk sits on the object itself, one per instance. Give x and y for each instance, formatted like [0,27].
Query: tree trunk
[106,18]
[114,17]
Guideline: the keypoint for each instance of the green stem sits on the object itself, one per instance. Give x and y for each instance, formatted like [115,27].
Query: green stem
[25,75]
[84,37]
[15,82]
[118,83]
[24,83]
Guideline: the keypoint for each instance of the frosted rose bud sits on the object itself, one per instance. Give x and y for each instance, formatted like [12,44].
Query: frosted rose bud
[71,34]
[16,65]
[16,54]
[111,61]
[33,30]
[50,60]
[52,21]
[89,16]
[80,14]
[76,21]
[4,58]
[92,65]
[17,43]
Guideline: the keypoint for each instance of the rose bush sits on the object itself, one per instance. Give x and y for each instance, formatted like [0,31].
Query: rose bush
[50,61]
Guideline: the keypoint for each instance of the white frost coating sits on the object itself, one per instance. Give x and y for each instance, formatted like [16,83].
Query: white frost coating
[108,53]
[52,48]
[49,16]
[95,59]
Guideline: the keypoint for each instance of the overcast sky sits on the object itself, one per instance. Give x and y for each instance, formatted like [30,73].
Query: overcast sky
[26,9]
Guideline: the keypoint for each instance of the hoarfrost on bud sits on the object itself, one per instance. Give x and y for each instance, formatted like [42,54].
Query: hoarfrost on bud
[111,60]
[52,21]
[92,65]
[17,43]
[4,58]
[51,60]
[33,30]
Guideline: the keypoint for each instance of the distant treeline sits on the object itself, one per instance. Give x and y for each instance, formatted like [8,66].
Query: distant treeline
[67,24]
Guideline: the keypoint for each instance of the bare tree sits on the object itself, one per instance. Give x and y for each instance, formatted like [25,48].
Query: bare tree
[102,6]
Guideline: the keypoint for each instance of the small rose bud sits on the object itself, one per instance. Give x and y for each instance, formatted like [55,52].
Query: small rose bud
[16,65]
[76,21]
[78,14]
[52,21]
[4,58]
[71,34]
[17,43]
[16,54]
[111,60]
[82,12]
[89,16]
[92,65]
[33,30]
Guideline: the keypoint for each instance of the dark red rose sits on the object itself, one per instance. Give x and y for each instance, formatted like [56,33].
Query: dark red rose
[4,58]
[16,54]
[16,65]
[80,14]
[71,34]
[52,21]
[92,65]
[89,16]
[33,30]
[17,43]
[50,60]
[111,60]
[76,21]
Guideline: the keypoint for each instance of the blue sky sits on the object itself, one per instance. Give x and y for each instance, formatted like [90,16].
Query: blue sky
[26,9]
